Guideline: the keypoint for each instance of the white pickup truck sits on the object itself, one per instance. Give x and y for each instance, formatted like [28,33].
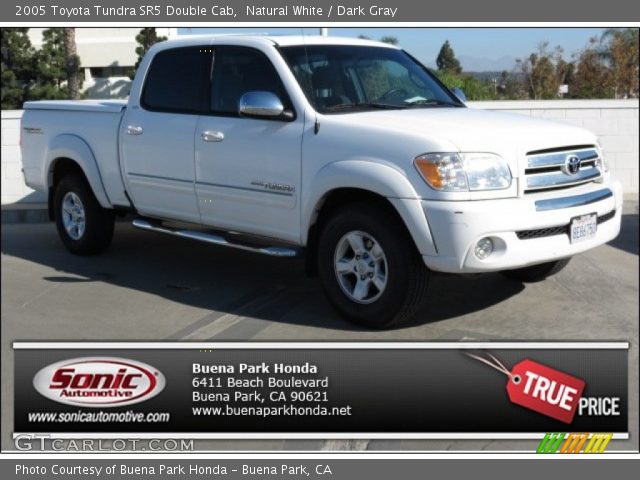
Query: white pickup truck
[347,151]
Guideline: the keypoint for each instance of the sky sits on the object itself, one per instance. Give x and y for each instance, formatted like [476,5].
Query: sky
[477,48]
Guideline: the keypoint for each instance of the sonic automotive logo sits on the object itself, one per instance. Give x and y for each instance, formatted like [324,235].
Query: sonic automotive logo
[99,382]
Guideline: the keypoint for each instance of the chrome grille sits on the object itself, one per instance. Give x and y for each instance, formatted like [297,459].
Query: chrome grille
[551,169]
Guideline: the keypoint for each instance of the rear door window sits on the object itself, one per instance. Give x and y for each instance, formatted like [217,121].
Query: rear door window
[177,81]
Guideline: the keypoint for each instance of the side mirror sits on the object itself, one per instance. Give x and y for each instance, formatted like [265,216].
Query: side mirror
[260,104]
[460,94]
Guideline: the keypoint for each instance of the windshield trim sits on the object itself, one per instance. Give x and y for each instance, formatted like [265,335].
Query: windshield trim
[435,78]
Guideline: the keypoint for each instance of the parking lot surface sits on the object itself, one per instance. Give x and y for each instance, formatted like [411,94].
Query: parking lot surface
[154,287]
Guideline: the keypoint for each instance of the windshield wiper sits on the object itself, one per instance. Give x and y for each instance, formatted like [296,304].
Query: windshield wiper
[364,105]
[431,103]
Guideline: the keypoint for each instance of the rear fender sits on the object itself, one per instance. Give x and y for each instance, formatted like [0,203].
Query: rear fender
[76,149]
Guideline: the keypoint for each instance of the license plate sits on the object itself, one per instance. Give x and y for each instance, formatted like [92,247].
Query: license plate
[583,227]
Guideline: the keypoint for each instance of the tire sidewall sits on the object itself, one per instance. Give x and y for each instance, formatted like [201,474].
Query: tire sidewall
[98,222]
[379,313]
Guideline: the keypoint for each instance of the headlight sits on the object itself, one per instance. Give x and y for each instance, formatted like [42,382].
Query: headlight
[602,161]
[486,171]
[463,172]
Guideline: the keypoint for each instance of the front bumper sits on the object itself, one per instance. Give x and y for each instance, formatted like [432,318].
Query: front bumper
[457,226]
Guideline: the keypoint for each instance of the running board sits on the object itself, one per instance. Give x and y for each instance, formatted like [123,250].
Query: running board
[215,239]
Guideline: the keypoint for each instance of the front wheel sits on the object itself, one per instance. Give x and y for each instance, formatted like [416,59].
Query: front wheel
[85,228]
[369,267]
[536,273]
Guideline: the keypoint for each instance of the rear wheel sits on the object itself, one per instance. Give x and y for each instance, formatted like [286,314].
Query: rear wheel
[536,273]
[85,228]
[370,268]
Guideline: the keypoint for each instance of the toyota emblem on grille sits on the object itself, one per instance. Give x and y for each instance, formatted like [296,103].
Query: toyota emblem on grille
[571,164]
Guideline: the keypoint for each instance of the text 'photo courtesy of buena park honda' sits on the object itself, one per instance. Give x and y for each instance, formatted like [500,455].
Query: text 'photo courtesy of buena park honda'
[348,152]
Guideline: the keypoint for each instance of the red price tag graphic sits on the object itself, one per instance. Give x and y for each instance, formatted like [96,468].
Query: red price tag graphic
[545,390]
[540,388]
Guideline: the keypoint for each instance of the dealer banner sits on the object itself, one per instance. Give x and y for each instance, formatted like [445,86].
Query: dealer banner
[313,390]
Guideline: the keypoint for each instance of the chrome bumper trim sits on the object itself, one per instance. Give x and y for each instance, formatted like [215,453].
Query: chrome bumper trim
[573,201]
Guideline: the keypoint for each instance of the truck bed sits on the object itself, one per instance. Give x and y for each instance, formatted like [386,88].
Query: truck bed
[50,128]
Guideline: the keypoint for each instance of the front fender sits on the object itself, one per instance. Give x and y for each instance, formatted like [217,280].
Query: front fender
[375,177]
[76,149]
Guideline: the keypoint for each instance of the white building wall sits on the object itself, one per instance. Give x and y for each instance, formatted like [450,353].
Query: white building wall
[13,188]
[614,121]
[103,47]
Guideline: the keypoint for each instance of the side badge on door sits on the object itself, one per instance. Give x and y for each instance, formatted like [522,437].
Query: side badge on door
[274,187]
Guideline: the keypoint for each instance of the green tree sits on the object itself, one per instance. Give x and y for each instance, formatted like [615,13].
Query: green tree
[591,76]
[619,50]
[543,71]
[515,87]
[564,71]
[503,83]
[17,66]
[146,38]
[447,61]
[473,88]
[51,67]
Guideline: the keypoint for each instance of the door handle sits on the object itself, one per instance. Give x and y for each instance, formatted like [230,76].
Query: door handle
[209,136]
[134,130]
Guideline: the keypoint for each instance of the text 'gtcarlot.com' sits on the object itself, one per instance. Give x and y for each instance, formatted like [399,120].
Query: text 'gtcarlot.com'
[44,442]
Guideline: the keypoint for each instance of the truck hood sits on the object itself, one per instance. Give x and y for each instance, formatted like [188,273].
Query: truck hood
[475,130]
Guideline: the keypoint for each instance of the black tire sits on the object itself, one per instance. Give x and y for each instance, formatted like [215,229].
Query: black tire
[536,273]
[406,276]
[99,222]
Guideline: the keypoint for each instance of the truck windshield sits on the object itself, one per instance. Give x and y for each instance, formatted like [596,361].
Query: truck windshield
[344,78]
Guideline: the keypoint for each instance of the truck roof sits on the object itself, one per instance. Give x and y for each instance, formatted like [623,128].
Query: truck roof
[280,40]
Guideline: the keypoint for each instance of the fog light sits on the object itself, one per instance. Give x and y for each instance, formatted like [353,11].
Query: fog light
[484,248]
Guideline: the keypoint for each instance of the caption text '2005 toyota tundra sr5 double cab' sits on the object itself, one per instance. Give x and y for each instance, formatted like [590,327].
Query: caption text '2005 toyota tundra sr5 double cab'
[347,151]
